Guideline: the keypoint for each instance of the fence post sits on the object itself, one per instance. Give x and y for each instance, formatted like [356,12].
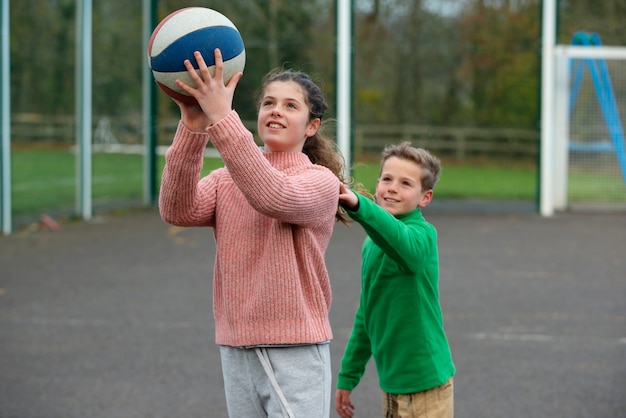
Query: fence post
[459,138]
[358,140]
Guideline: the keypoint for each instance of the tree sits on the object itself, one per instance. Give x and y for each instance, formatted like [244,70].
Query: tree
[42,56]
[501,63]
[604,17]
[471,65]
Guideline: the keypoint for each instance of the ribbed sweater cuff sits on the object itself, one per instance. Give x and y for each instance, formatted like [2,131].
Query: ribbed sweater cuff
[188,142]
[230,136]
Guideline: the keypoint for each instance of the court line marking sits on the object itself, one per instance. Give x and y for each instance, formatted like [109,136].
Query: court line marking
[81,322]
[525,337]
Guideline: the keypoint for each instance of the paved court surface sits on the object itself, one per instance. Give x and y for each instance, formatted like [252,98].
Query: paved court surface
[112,318]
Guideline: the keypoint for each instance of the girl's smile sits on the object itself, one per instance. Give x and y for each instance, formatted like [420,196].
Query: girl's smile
[283,121]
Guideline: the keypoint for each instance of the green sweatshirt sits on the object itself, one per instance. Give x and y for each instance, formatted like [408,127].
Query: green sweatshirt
[399,320]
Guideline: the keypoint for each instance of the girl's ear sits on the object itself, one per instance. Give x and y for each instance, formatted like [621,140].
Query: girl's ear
[426,198]
[313,127]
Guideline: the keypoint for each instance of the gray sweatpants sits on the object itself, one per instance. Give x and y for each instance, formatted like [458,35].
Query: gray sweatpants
[293,381]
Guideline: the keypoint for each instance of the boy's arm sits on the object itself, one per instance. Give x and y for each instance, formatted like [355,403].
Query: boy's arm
[407,243]
[356,355]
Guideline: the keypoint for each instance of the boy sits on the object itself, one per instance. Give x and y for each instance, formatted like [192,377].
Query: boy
[399,320]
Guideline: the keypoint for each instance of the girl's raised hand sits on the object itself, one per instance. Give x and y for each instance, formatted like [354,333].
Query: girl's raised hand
[214,98]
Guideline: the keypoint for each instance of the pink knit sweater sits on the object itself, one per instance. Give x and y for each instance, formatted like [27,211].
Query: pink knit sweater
[272,216]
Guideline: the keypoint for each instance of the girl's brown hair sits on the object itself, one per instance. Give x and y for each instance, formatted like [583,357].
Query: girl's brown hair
[319,148]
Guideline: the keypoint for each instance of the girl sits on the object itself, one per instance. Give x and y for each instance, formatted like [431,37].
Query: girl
[272,212]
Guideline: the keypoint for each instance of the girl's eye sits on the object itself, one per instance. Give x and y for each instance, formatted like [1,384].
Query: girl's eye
[292,105]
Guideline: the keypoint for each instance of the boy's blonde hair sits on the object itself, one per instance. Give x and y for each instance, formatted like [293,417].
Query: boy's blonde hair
[431,166]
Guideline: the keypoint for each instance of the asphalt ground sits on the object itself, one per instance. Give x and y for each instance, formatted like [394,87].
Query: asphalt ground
[112,318]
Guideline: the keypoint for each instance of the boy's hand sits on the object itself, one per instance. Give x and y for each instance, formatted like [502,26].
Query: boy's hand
[343,405]
[347,198]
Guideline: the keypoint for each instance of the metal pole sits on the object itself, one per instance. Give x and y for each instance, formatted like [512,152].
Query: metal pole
[344,80]
[547,169]
[149,105]
[561,131]
[5,120]
[84,109]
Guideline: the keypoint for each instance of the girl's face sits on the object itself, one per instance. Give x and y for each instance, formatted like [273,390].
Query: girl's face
[399,187]
[283,122]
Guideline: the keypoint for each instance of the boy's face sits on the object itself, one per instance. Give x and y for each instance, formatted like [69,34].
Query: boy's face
[399,187]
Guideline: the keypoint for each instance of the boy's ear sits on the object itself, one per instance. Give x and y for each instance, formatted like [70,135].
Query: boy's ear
[426,198]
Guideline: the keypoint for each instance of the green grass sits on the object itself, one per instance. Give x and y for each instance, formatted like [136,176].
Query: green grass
[593,187]
[45,181]
[470,182]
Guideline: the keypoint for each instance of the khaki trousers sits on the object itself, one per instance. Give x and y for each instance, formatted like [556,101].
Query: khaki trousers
[437,402]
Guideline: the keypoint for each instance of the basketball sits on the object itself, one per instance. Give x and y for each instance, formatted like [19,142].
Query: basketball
[185,31]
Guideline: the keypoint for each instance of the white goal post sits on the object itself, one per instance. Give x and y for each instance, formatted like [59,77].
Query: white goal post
[556,120]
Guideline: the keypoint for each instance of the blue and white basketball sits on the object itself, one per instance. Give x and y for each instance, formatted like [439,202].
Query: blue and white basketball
[182,33]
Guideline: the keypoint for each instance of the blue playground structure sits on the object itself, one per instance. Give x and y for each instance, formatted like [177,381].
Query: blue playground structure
[606,98]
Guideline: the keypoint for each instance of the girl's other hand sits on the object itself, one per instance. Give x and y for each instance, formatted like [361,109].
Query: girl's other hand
[192,116]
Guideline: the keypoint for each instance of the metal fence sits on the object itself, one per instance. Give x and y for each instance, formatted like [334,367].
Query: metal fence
[369,140]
